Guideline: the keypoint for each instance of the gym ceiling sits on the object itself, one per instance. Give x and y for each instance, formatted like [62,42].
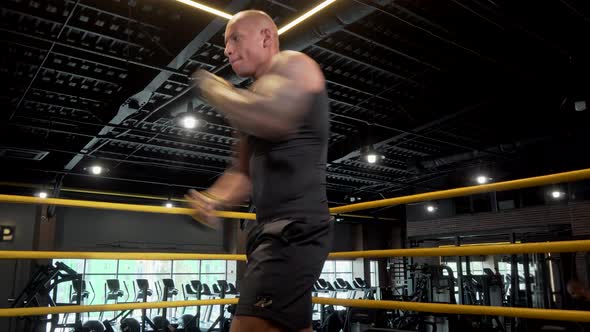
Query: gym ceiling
[439,90]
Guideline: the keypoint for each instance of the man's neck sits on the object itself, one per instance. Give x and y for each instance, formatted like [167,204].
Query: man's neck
[265,67]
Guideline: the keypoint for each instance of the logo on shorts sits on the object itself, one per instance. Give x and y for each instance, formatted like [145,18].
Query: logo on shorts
[263,301]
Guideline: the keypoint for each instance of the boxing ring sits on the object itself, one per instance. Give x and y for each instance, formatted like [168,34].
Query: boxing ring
[522,248]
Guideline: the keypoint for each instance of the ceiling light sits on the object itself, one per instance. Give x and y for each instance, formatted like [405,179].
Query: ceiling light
[306,16]
[580,105]
[556,194]
[482,179]
[370,154]
[42,194]
[208,9]
[372,158]
[169,205]
[96,170]
[189,121]
[430,208]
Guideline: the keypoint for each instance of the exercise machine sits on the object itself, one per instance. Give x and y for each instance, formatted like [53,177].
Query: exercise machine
[113,292]
[130,324]
[344,286]
[40,291]
[369,293]
[78,290]
[222,289]
[192,290]
[167,291]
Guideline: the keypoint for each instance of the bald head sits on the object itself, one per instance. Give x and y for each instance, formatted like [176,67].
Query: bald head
[256,17]
[251,40]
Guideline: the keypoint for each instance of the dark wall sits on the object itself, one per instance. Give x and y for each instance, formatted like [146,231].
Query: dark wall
[79,229]
[15,273]
[380,235]
[107,230]
[346,237]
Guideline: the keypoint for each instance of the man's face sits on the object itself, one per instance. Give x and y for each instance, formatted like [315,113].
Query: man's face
[244,47]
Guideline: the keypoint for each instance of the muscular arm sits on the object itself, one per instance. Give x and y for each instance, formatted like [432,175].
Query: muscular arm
[278,100]
[234,186]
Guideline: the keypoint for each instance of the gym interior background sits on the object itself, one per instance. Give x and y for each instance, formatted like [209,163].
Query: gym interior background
[425,95]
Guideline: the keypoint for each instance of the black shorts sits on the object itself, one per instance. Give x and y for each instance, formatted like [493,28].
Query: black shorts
[285,258]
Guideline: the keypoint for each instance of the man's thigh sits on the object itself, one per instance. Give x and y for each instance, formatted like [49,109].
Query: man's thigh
[283,265]
[255,324]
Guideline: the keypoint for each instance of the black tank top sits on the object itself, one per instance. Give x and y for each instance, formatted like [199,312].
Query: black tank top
[289,177]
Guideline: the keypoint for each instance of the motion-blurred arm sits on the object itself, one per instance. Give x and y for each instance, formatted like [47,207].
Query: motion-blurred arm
[232,188]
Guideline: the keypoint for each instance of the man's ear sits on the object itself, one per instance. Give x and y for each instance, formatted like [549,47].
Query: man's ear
[266,37]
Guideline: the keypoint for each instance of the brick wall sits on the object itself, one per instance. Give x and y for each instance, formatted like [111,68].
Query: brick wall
[575,214]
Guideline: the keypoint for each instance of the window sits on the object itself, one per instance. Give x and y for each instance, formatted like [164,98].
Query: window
[505,269]
[145,267]
[374,272]
[99,266]
[75,264]
[475,267]
[95,273]
[337,269]
[213,267]
[211,271]
[186,266]
[344,270]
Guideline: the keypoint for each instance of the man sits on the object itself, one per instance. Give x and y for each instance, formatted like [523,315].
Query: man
[578,291]
[281,158]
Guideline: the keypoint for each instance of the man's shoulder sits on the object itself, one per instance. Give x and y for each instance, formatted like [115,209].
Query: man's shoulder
[286,59]
[298,66]
[289,55]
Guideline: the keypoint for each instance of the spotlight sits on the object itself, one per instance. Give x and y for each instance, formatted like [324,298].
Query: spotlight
[482,179]
[96,170]
[189,121]
[169,205]
[556,194]
[370,154]
[430,208]
[42,194]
